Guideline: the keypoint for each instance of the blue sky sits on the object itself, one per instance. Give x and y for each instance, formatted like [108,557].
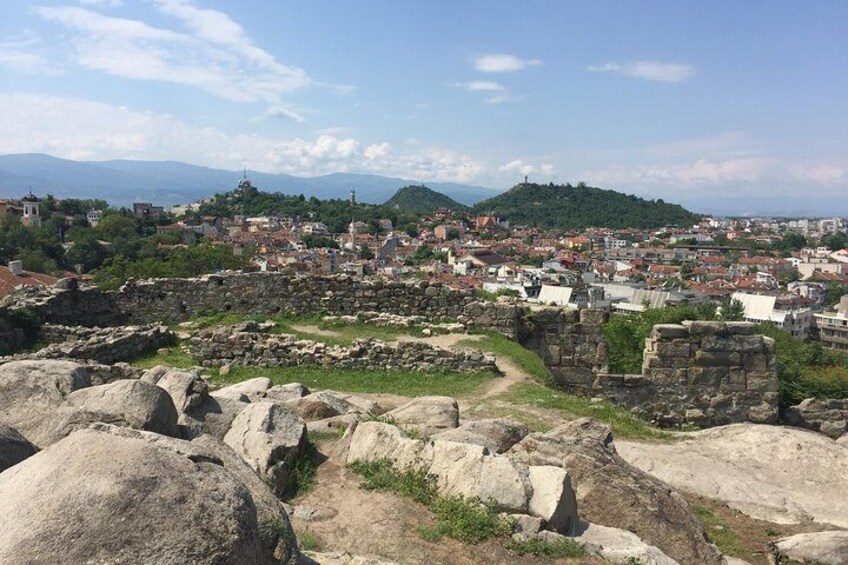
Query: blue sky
[719,105]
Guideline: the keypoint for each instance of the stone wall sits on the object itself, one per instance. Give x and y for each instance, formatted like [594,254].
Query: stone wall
[570,342]
[829,417]
[103,345]
[702,373]
[231,346]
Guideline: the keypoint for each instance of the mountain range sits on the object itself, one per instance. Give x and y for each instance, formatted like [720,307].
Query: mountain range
[122,182]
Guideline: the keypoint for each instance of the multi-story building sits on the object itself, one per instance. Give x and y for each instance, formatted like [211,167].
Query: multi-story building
[833,326]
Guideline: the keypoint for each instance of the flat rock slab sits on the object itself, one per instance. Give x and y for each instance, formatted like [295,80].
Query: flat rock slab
[779,474]
[820,548]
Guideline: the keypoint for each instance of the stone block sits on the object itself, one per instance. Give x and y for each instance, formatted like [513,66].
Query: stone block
[717,359]
[755,362]
[740,328]
[762,382]
[593,316]
[674,348]
[669,331]
[701,328]
[737,380]
[707,376]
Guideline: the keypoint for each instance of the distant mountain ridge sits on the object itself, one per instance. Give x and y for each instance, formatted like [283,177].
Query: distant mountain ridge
[422,200]
[577,207]
[122,182]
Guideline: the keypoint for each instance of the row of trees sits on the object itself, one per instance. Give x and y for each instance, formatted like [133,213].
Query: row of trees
[120,246]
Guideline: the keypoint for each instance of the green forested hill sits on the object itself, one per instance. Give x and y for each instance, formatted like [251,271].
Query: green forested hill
[581,206]
[421,200]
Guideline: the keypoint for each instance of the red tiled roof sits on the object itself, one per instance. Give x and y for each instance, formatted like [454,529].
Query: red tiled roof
[8,280]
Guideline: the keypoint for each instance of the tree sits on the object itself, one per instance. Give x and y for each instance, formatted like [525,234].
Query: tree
[365,253]
[733,312]
[87,252]
[835,241]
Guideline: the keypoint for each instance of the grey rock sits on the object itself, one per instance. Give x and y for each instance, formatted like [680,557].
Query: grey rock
[187,390]
[270,438]
[498,434]
[427,415]
[817,548]
[14,447]
[613,493]
[32,391]
[135,479]
[142,404]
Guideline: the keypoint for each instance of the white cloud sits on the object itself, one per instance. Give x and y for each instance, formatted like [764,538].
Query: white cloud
[215,55]
[519,166]
[502,63]
[649,70]
[284,113]
[81,129]
[481,86]
[726,144]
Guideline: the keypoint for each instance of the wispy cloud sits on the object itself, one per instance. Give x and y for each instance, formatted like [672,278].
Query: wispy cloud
[502,63]
[21,53]
[480,86]
[526,168]
[104,3]
[648,70]
[215,54]
[284,113]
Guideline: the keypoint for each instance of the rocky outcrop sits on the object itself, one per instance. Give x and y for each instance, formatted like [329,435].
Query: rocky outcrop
[613,493]
[817,548]
[33,393]
[143,405]
[270,438]
[14,447]
[470,471]
[135,477]
[829,417]
[779,474]
[497,435]
[427,415]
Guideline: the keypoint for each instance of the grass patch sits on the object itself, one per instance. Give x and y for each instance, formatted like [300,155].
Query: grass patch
[404,383]
[177,357]
[526,360]
[308,541]
[623,423]
[466,520]
[538,547]
[302,476]
[725,539]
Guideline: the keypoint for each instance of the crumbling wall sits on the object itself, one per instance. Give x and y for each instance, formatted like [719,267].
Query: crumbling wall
[231,346]
[702,373]
[829,417]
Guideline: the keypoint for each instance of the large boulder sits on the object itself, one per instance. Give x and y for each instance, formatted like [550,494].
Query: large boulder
[14,447]
[611,492]
[32,391]
[497,434]
[275,530]
[817,548]
[374,441]
[427,415]
[250,390]
[467,470]
[187,390]
[270,438]
[123,496]
[320,405]
[214,416]
[143,405]
[780,474]
[619,546]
